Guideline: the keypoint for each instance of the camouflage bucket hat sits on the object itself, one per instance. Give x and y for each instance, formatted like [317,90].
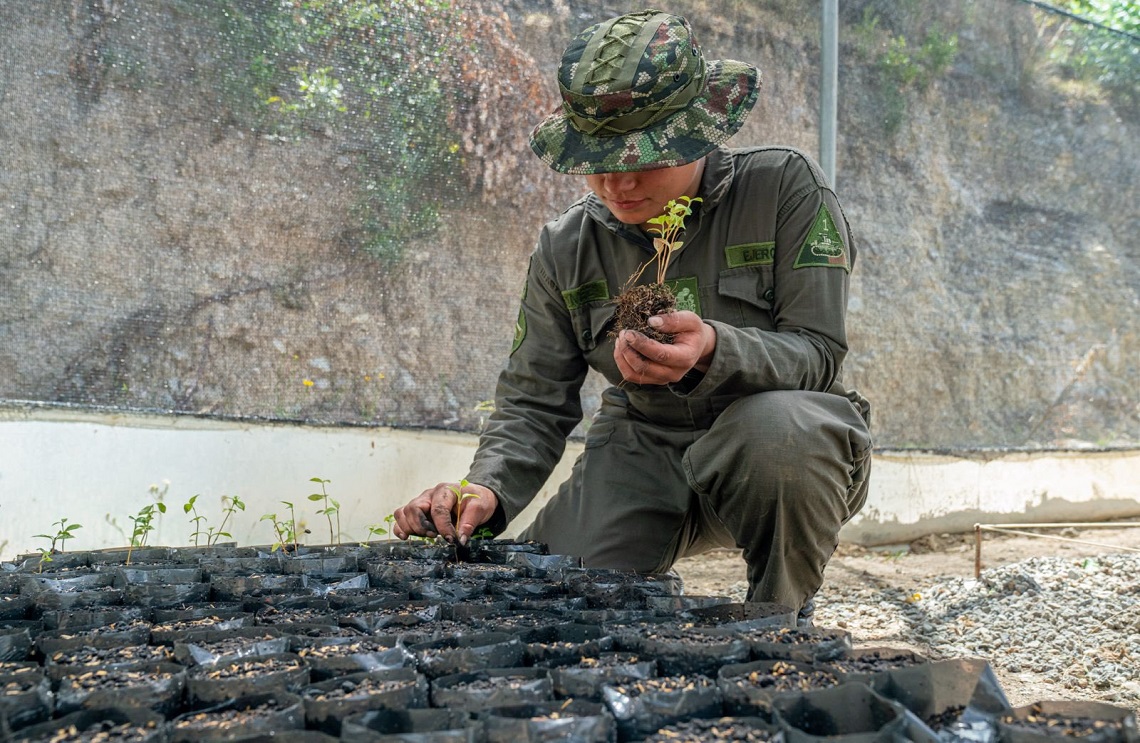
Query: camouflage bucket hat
[637,94]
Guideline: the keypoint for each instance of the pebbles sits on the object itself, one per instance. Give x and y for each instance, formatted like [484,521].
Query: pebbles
[1072,622]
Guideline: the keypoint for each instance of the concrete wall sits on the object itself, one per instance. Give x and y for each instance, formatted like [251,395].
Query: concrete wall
[97,468]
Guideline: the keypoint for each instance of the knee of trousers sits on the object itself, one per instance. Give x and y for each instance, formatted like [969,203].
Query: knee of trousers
[781,443]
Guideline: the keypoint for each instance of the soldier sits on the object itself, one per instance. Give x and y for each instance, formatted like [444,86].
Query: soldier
[740,433]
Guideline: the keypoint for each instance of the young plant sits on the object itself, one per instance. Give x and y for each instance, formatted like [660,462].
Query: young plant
[374,531]
[212,534]
[461,498]
[230,504]
[329,510]
[144,525]
[62,534]
[666,227]
[196,520]
[286,531]
[636,303]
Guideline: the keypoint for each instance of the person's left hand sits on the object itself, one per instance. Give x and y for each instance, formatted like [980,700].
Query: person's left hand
[645,361]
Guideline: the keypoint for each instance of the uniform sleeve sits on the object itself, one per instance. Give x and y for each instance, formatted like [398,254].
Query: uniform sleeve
[537,399]
[808,299]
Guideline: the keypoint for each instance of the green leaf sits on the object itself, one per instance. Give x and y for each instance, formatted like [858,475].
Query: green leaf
[316,496]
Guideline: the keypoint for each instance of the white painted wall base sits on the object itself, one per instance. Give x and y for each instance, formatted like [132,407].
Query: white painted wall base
[95,468]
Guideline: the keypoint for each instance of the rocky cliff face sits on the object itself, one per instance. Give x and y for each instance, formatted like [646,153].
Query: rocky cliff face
[159,251]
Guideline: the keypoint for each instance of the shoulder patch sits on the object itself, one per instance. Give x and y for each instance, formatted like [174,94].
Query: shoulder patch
[823,245]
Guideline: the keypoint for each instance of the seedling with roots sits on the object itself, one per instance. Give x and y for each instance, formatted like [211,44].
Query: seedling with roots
[329,510]
[666,228]
[636,303]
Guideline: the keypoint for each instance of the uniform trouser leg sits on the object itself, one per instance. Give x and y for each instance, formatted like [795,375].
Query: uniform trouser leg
[776,475]
[782,472]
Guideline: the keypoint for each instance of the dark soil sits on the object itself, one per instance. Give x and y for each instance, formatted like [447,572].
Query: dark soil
[636,304]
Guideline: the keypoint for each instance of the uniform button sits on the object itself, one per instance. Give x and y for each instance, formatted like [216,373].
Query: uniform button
[769,294]
[587,335]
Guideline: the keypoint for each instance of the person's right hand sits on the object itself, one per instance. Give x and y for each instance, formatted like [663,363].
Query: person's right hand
[432,513]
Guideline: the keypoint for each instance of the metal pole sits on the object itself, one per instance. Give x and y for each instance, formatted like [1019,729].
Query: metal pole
[828,86]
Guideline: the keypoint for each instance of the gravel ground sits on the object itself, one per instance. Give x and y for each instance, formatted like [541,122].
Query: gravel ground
[1061,626]
[1073,623]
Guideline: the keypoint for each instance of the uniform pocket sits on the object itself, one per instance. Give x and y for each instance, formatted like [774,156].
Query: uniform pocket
[599,433]
[753,289]
[591,323]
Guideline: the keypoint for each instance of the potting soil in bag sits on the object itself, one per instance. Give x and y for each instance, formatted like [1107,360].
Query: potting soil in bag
[490,572]
[167,633]
[25,695]
[321,565]
[206,647]
[401,574]
[84,618]
[681,605]
[108,657]
[278,713]
[873,665]
[467,653]
[154,686]
[566,641]
[1092,722]
[691,651]
[327,703]
[567,720]
[245,587]
[803,644]
[119,725]
[749,688]
[958,699]
[518,622]
[719,729]
[851,713]
[643,707]
[389,616]
[585,678]
[129,632]
[492,687]
[241,677]
[14,606]
[746,616]
[543,567]
[412,726]
[338,656]
[526,589]
[448,591]
[475,608]
[16,640]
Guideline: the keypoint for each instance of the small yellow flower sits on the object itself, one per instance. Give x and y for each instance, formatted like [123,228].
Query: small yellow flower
[307,382]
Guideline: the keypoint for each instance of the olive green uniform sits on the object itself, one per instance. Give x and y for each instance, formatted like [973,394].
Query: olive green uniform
[767,451]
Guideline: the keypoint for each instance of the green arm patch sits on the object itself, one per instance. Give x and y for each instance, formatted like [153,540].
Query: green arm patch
[750,254]
[520,331]
[823,245]
[595,291]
